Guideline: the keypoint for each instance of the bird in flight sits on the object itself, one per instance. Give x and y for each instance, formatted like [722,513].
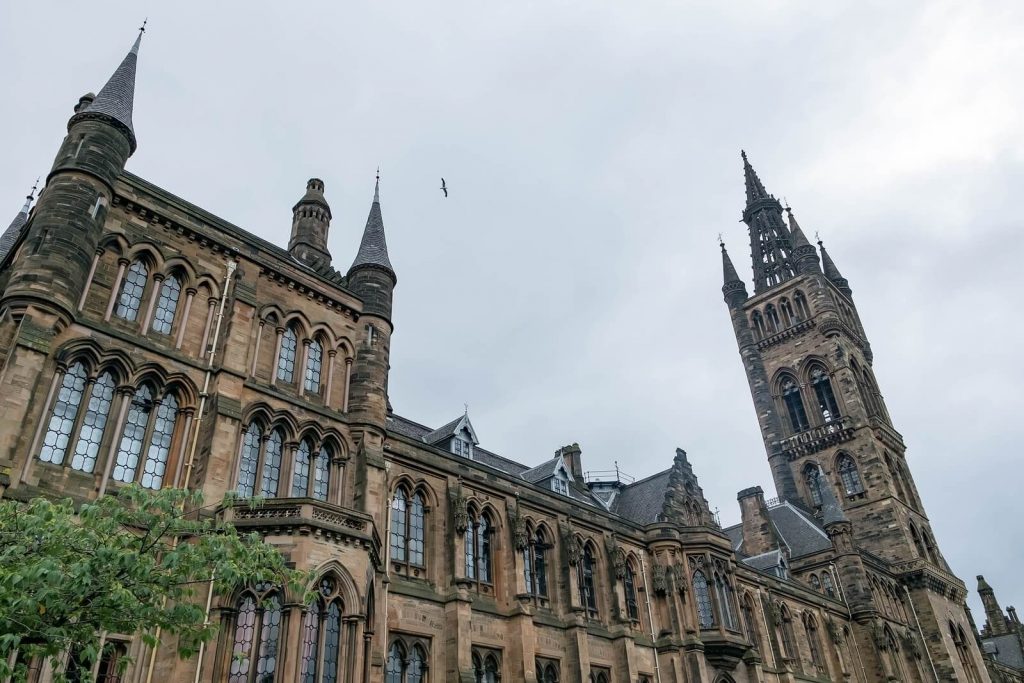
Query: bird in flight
[444,187]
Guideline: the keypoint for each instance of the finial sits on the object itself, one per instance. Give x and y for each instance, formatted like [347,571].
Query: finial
[721,242]
[142,29]
[466,411]
[785,203]
[32,193]
[743,153]
[817,238]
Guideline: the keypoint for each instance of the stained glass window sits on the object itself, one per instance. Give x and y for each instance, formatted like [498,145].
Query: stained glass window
[702,593]
[62,418]
[166,304]
[132,288]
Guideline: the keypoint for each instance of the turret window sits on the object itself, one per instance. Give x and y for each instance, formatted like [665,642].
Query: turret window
[849,475]
[702,596]
[286,359]
[827,405]
[314,364]
[132,289]
[166,305]
[794,405]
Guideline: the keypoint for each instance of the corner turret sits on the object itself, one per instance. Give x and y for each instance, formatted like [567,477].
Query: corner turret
[311,221]
[804,255]
[13,231]
[733,288]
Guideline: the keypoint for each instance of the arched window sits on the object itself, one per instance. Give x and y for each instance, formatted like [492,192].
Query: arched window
[702,594]
[314,363]
[407,525]
[321,474]
[249,461]
[585,579]
[300,473]
[757,324]
[271,479]
[64,415]
[827,406]
[849,475]
[286,358]
[486,668]
[964,654]
[321,635]
[812,477]
[750,622]
[788,638]
[478,549]
[535,565]
[894,475]
[417,665]
[395,671]
[815,583]
[401,668]
[828,584]
[549,674]
[771,316]
[794,404]
[722,592]
[786,309]
[629,585]
[814,642]
[149,422]
[166,305]
[132,288]
[257,636]
[802,311]
[929,545]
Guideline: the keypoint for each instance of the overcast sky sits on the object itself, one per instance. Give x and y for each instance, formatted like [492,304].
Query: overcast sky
[569,287]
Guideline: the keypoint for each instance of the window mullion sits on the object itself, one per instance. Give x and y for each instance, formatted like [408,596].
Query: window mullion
[147,437]
[76,427]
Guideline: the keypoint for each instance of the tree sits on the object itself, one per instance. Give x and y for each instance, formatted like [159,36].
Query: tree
[129,564]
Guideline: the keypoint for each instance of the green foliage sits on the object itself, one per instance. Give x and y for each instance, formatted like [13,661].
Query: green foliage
[126,565]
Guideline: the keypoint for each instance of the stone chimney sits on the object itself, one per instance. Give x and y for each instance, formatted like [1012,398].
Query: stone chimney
[1012,611]
[758,531]
[573,457]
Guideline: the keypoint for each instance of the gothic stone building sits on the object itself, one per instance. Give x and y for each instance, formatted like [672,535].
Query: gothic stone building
[146,340]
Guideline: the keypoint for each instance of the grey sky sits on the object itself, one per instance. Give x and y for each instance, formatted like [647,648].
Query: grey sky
[569,288]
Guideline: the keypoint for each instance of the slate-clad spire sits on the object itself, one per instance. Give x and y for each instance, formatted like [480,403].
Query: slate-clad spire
[732,286]
[771,248]
[13,231]
[832,273]
[373,249]
[116,99]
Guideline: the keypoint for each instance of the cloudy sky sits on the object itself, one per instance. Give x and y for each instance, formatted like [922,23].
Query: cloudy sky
[569,288]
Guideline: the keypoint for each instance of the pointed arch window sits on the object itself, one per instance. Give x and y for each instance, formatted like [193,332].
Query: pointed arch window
[895,477]
[788,638]
[166,305]
[786,309]
[828,584]
[812,477]
[585,579]
[535,565]
[722,593]
[406,664]
[63,415]
[802,311]
[132,288]
[757,323]
[794,404]
[286,358]
[814,642]
[248,461]
[272,451]
[486,666]
[478,549]
[300,477]
[826,399]
[702,595]
[321,635]
[94,422]
[771,317]
[257,637]
[629,587]
[321,475]
[749,623]
[150,426]
[314,365]
[849,475]
[547,671]
[407,527]
[815,582]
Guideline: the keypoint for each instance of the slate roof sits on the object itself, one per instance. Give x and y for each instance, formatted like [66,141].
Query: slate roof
[541,472]
[1007,650]
[373,248]
[439,435]
[642,501]
[765,561]
[799,531]
[13,231]
[414,430]
[117,97]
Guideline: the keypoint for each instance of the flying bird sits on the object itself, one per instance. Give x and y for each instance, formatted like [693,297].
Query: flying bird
[444,187]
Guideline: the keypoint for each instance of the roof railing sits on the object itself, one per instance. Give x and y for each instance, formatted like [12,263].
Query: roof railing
[608,476]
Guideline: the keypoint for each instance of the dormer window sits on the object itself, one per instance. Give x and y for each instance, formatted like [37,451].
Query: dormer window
[461,445]
[559,485]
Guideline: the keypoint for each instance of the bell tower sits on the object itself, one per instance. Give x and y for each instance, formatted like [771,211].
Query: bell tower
[825,426]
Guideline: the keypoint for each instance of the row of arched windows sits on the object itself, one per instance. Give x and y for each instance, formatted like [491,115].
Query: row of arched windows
[816,392]
[262,462]
[849,478]
[823,583]
[406,663]
[91,415]
[776,319]
[924,544]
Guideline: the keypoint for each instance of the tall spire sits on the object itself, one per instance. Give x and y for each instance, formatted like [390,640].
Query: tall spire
[804,255]
[373,248]
[770,241]
[994,617]
[116,99]
[832,273]
[13,231]
[733,288]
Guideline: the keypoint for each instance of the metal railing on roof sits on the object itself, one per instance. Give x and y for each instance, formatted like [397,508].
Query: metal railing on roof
[608,476]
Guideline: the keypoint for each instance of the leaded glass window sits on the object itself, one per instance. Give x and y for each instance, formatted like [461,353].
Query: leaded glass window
[827,405]
[300,478]
[629,584]
[395,670]
[95,421]
[270,634]
[815,582]
[245,625]
[826,581]
[314,364]
[321,474]
[132,288]
[166,304]
[398,526]
[417,665]
[794,405]
[415,527]
[849,475]
[702,594]
[310,643]
[812,477]
[133,435]
[248,461]
[160,442]
[63,415]
[585,579]
[272,465]
[286,359]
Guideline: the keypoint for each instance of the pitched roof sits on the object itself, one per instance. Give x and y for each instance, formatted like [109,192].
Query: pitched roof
[799,531]
[116,99]
[765,561]
[643,500]
[450,430]
[373,248]
[1007,650]
[545,470]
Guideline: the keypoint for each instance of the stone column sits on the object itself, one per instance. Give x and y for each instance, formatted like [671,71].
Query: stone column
[211,307]
[256,349]
[154,295]
[122,263]
[88,279]
[277,355]
[348,384]
[190,294]
[301,380]
[331,354]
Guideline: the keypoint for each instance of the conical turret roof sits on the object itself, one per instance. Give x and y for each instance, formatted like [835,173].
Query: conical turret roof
[729,274]
[373,248]
[116,99]
[831,512]
[13,231]
[828,267]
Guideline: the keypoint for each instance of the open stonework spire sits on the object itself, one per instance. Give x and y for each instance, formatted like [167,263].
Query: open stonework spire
[373,248]
[116,99]
[771,247]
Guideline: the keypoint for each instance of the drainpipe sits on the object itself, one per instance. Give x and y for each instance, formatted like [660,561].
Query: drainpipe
[650,617]
[387,558]
[211,354]
[921,633]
